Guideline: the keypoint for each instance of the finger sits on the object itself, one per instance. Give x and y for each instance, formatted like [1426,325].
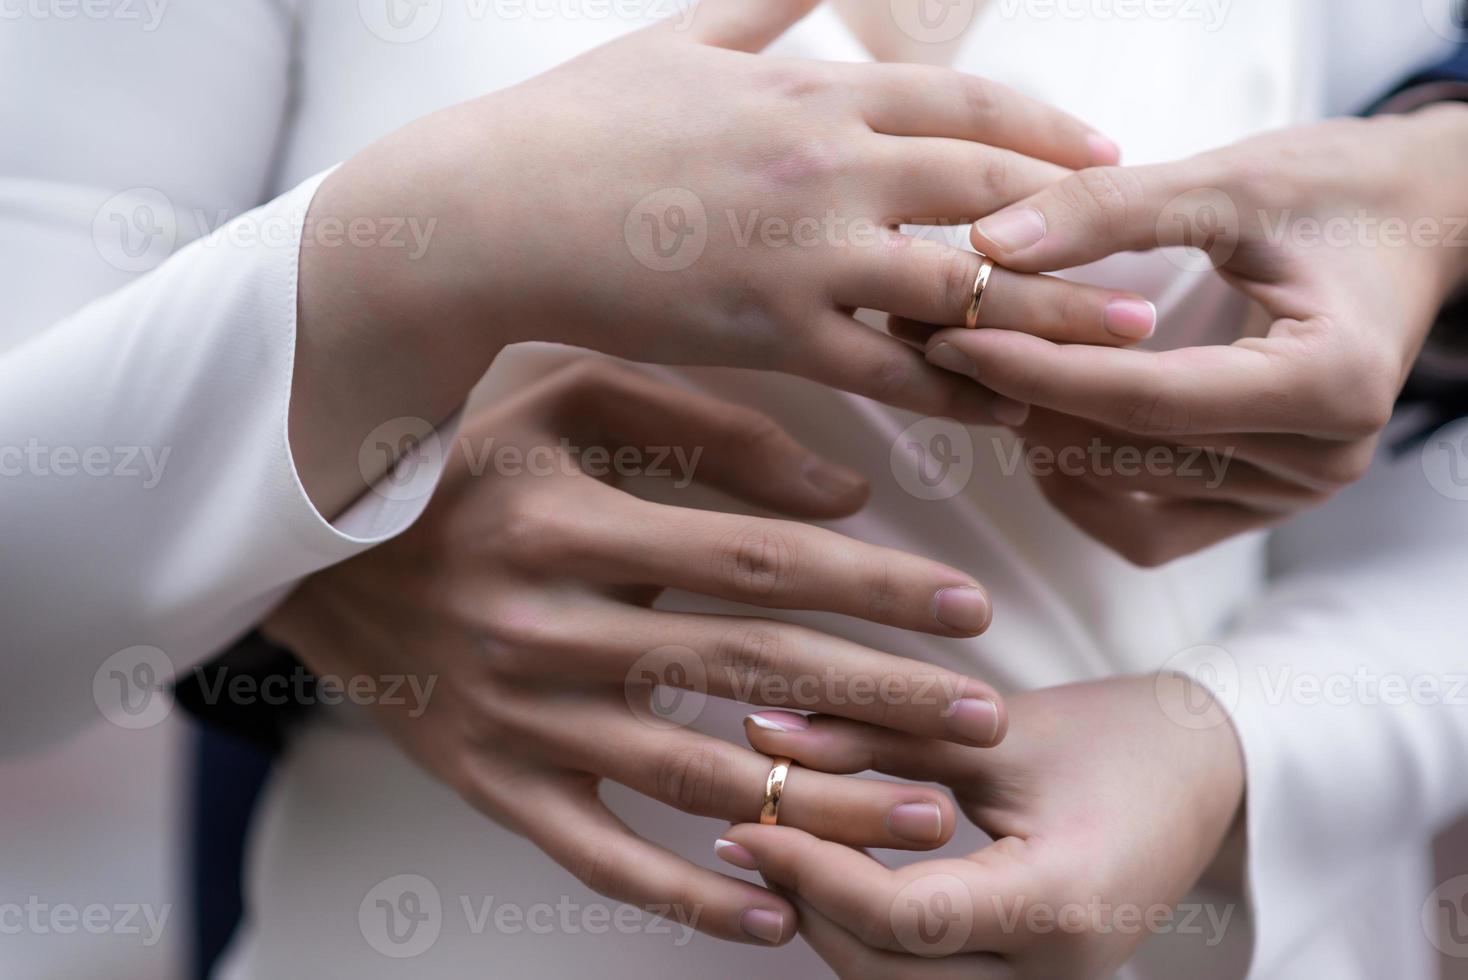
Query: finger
[914,333]
[1248,386]
[1097,212]
[921,100]
[773,664]
[839,352]
[785,565]
[710,777]
[1149,531]
[933,283]
[850,959]
[729,446]
[744,25]
[571,825]
[841,745]
[936,181]
[890,909]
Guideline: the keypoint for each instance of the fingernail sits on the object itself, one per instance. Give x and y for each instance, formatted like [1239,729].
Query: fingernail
[974,719]
[1014,231]
[950,358]
[921,823]
[736,854]
[828,478]
[1133,319]
[1007,411]
[965,609]
[762,924]
[1104,152]
[779,721]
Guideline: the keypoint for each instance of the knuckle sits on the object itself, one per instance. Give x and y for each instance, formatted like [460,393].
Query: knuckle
[747,429]
[595,866]
[877,925]
[955,280]
[748,655]
[980,101]
[1159,412]
[1101,196]
[688,778]
[1348,465]
[758,560]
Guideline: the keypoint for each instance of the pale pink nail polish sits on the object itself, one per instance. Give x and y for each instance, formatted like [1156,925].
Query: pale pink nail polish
[1014,231]
[736,854]
[921,823]
[779,721]
[975,720]
[1132,319]
[964,609]
[762,924]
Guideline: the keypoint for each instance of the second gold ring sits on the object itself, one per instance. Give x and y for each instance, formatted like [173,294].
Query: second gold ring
[981,283]
[774,789]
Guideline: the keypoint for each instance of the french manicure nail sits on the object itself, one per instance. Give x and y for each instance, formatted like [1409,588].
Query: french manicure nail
[1007,411]
[829,478]
[974,719]
[964,608]
[1014,231]
[736,854]
[779,721]
[950,358]
[1132,319]
[762,924]
[1104,152]
[921,823]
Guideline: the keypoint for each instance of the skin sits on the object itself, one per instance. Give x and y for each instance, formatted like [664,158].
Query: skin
[1113,794]
[526,600]
[1298,412]
[534,194]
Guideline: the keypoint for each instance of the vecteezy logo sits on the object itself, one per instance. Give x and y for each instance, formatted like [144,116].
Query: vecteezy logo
[1445,917]
[129,688]
[933,459]
[667,687]
[134,231]
[401,916]
[401,21]
[934,21]
[1445,460]
[933,915]
[1205,222]
[667,230]
[1214,694]
[401,458]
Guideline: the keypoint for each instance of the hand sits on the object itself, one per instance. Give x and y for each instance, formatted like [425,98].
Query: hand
[1343,232]
[524,599]
[671,198]
[1106,802]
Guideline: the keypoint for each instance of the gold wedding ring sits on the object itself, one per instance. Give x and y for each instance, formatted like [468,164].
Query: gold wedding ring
[769,814]
[981,283]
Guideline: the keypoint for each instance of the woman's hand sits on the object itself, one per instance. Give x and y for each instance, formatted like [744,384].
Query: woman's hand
[1350,234]
[526,598]
[670,197]
[1106,803]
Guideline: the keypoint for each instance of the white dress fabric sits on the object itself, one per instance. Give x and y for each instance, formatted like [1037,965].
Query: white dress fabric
[222,106]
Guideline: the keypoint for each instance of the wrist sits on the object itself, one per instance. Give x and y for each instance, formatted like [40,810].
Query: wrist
[1440,165]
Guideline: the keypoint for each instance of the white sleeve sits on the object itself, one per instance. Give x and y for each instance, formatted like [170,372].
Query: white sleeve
[1348,688]
[150,509]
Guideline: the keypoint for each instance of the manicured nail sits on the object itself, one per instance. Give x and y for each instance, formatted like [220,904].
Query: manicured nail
[950,358]
[736,854]
[779,721]
[828,478]
[762,924]
[974,719]
[1133,319]
[921,823]
[1104,153]
[1014,231]
[965,609]
[1007,411]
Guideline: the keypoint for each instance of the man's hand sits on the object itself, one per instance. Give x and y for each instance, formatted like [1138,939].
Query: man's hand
[525,599]
[1107,799]
[1350,235]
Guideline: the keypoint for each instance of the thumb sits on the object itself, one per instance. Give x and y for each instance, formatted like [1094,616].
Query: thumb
[742,25]
[1103,210]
